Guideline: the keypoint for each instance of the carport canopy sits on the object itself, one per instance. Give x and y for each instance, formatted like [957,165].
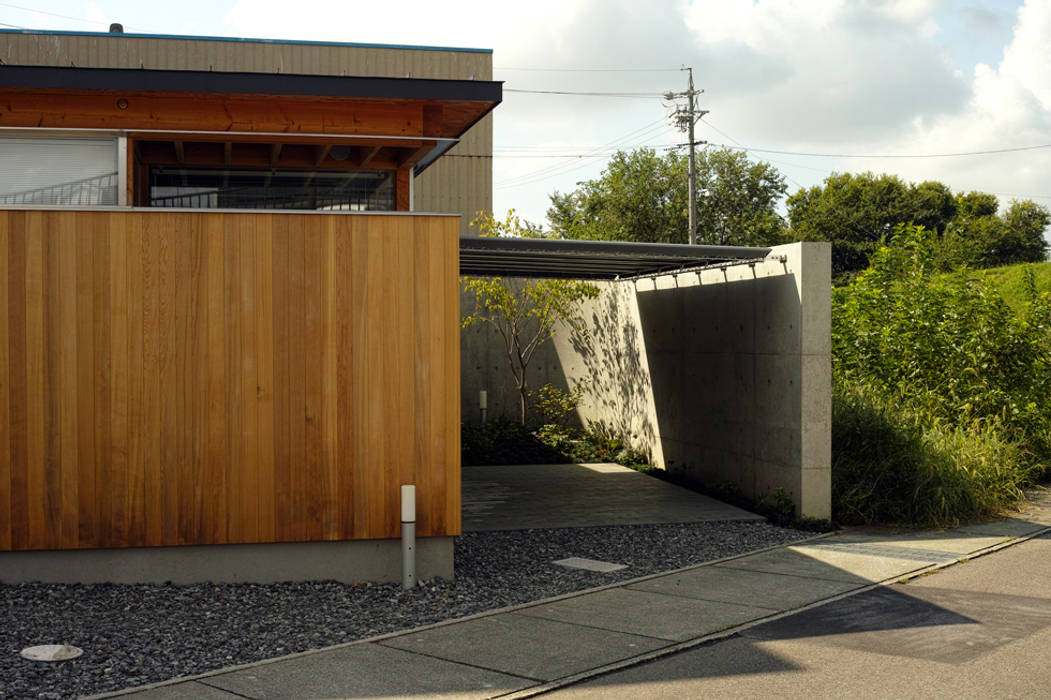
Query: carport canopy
[598,260]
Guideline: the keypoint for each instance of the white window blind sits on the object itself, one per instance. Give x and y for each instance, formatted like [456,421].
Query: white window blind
[70,172]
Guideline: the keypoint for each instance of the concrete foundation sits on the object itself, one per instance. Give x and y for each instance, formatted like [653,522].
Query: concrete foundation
[347,562]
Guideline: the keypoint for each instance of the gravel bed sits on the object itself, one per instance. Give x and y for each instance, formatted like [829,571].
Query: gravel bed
[138,634]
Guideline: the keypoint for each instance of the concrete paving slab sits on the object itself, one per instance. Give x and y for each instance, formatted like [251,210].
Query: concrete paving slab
[190,690]
[948,542]
[522,497]
[648,614]
[932,624]
[759,589]
[525,646]
[1008,527]
[366,670]
[825,564]
[887,550]
[1032,557]
[603,567]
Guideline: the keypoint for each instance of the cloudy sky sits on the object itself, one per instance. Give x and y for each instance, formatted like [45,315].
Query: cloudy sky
[803,80]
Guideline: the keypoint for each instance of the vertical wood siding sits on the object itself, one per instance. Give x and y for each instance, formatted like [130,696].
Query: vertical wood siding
[174,378]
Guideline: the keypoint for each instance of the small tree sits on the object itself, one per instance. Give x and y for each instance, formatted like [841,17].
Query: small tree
[527,315]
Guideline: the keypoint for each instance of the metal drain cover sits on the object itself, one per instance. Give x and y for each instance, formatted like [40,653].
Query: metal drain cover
[51,652]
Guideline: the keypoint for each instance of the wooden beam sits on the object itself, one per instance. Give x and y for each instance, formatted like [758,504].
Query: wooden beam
[369,155]
[74,109]
[275,153]
[180,155]
[228,149]
[411,157]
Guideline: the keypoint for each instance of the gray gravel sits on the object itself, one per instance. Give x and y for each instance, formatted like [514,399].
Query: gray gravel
[138,634]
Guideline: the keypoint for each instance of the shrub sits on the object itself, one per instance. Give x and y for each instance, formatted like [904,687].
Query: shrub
[946,345]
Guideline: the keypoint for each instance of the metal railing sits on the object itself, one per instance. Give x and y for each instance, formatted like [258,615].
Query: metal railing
[100,190]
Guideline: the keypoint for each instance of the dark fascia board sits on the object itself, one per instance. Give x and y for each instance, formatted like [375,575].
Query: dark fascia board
[147,80]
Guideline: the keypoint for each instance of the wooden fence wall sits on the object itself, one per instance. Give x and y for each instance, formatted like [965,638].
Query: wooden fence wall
[196,378]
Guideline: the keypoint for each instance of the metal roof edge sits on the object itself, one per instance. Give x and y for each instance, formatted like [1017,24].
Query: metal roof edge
[568,246]
[250,40]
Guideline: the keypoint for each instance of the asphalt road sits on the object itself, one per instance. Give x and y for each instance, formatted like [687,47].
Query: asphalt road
[980,629]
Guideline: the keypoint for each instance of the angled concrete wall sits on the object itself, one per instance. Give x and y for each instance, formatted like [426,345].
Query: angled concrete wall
[724,375]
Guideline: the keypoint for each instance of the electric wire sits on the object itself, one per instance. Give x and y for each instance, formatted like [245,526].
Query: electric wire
[557,169]
[630,95]
[646,129]
[591,70]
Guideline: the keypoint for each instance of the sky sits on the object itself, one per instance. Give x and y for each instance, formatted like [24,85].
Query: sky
[811,86]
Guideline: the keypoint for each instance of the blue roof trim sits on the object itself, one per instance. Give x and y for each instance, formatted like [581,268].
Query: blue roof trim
[246,40]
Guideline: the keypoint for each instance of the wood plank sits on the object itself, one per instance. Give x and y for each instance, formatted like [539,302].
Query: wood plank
[38,499]
[319,504]
[66,391]
[327,378]
[449,311]
[297,390]
[283,468]
[150,380]
[101,383]
[18,380]
[5,389]
[118,483]
[87,495]
[247,442]
[214,519]
[362,376]
[53,471]
[138,429]
[234,395]
[170,431]
[265,378]
[344,381]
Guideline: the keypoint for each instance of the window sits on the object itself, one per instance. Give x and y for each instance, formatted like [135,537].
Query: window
[65,172]
[219,188]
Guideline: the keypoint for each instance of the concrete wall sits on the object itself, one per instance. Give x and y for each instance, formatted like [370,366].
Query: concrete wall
[724,375]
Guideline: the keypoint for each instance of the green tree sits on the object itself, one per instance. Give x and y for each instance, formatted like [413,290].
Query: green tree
[526,314]
[643,196]
[856,212]
[978,237]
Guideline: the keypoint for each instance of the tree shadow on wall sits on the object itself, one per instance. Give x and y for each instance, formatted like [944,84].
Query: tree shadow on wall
[612,355]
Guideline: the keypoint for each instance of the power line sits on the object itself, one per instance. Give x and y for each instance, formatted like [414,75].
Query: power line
[646,95]
[591,70]
[557,169]
[893,155]
[51,14]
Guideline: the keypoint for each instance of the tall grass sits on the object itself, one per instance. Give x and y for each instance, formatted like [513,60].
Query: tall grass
[891,465]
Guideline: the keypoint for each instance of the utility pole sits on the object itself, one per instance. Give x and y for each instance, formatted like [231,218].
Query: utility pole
[685,119]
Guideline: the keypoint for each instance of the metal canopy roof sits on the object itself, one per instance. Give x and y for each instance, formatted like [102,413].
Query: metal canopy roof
[575,259]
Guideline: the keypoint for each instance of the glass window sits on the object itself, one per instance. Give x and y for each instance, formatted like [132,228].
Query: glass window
[71,172]
[219,188]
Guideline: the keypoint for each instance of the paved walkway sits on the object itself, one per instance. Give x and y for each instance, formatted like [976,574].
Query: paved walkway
[529,649]
[580,495]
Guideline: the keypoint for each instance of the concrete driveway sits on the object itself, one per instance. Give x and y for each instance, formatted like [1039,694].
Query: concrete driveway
[523,497]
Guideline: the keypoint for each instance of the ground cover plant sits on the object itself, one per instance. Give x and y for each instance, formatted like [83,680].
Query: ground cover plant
[940,408]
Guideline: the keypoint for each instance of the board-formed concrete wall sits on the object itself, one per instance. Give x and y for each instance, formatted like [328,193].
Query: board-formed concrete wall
[722,374]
